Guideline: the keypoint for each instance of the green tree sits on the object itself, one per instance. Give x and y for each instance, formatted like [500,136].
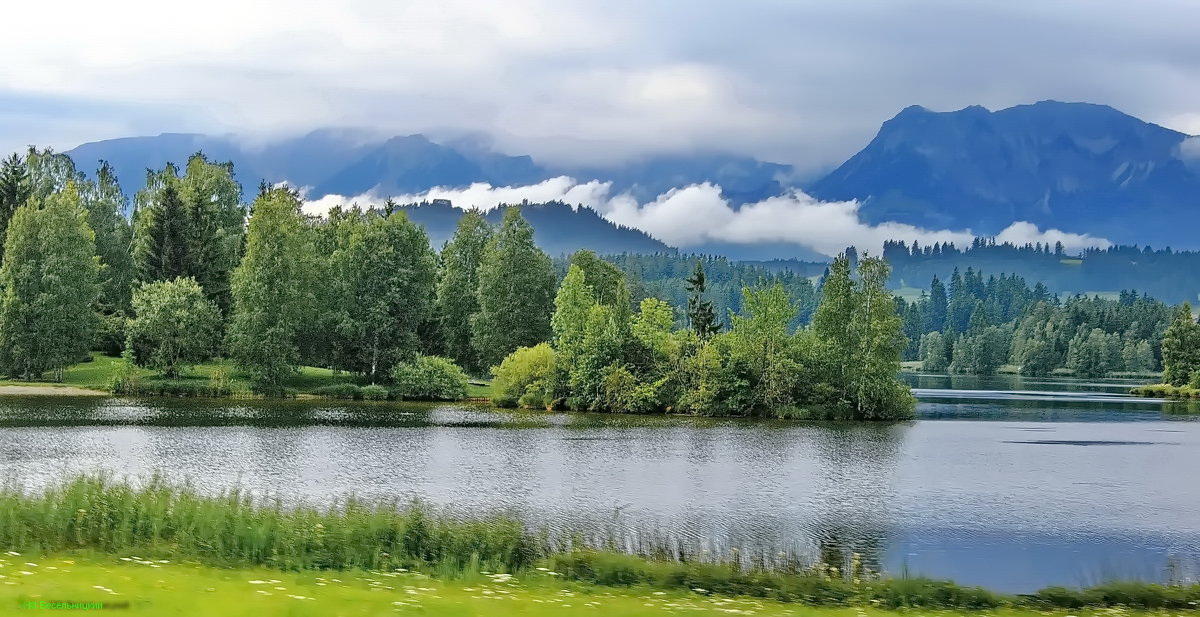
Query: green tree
[1181,347]
[388,272]
[861,342]
[516,292]
[936,318]
[272,291]
[572,304]
[599,353]
[174,326]
[15,191]
[876,393]
[933,355]
[606,281]
[50,172]
[1088,355]
[160,248]
[761,343]
[200,235]
[701,316]
[50,285]
[833,326]
[458,288]
[106,215]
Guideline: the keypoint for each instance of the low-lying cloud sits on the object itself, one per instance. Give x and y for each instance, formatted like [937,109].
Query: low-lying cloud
[698,214]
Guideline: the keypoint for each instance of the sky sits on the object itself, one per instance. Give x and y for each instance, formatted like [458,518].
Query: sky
[587,81]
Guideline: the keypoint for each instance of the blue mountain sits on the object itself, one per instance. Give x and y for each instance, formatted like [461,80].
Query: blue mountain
[353,162]
[1073,166]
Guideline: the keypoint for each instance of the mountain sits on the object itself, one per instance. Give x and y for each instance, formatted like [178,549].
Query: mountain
[352,162]
[558,228]
[1072,166]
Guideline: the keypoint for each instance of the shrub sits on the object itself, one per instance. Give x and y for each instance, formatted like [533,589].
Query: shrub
[374,392]
[347,391]
[134,386]
[272,391]
[430,378]
[524,377]
[176,325]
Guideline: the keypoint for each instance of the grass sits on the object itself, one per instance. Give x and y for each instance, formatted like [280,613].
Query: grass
[151,588]
[479,389]
[98,373]
[1163,390]
[157,524]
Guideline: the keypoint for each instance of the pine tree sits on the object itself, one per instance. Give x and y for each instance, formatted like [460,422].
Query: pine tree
[14,191]
[50,282]
[700,312]
[1181,347]
[937,306]
[190,225]
[458,288]
[516,292]
[161,254]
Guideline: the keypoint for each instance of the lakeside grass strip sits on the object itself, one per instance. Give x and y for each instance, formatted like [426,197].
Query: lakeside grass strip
[148,587]
[158,520]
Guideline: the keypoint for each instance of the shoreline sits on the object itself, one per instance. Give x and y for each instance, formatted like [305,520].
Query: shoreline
[50,390]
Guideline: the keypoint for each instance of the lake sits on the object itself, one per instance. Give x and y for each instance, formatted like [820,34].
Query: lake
[1006,482]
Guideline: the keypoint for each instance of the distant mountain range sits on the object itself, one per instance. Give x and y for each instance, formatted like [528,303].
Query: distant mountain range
[1073,166]
[351,162]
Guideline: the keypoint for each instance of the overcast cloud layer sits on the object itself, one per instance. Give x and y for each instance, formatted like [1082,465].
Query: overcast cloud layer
[585,81]
[686,217]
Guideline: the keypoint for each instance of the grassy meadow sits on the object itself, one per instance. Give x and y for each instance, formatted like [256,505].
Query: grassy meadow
[153,587]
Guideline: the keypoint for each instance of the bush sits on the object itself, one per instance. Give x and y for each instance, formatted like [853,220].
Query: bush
[347,391]
[272,391]
[133,386]
[430,378]
[1133,594]
[524,377]
[374,392]
[175,326]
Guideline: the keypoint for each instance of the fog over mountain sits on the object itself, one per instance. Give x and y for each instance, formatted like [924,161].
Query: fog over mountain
[1081,174]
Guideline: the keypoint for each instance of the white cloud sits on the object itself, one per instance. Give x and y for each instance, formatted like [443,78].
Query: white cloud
[1189,151]
[697,214]
[804,83]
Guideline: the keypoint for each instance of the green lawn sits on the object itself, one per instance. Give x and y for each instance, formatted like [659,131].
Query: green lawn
[97,375]
[139,586]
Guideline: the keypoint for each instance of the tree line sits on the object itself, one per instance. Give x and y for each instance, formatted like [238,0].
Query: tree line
[195,274]
[973,325]
[1169,275]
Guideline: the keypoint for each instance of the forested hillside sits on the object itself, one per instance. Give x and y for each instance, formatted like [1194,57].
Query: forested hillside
[973,324]
[1171,276]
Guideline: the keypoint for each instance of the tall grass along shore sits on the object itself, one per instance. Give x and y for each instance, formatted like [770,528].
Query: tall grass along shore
[100,520]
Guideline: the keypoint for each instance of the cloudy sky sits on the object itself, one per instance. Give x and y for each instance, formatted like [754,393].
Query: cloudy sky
[805,83]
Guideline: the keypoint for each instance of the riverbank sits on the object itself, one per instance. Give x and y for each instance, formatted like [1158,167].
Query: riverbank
[141,586]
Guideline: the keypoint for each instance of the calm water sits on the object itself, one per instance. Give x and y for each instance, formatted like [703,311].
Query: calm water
[1014,484]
